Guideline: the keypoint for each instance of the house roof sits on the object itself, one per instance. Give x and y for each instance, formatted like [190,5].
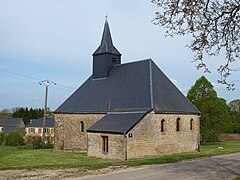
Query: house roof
[117,122]
[106,45]
[135,86]
[39,123]
[9,129]
[11,122]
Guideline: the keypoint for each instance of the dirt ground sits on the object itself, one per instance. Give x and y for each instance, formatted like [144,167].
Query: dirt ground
[53,174]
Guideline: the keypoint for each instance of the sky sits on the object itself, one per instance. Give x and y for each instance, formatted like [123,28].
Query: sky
[54,40]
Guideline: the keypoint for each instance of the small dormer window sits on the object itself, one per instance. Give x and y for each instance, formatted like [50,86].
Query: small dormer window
[114,59]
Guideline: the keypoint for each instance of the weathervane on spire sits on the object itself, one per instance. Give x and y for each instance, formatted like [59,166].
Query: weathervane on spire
[106,17]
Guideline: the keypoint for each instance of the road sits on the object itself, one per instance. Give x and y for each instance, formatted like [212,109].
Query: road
[218,167]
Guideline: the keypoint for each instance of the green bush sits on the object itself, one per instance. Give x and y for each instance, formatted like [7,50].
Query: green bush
[2,138]
[36,142]
[48,146]
[14,139]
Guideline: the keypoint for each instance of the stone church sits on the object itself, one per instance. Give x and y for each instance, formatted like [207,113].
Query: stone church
[126,110]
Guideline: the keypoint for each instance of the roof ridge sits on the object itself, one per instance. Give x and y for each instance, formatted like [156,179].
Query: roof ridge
[148,59]
[127,112]
[151,83]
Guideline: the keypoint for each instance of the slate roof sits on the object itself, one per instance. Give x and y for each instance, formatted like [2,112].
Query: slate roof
[117,122]
[135,86]
[39,123]
[11,121]
[106,45]
[11,124]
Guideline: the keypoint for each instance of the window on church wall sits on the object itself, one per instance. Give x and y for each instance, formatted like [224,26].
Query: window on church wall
[178,124]
[105,144]
[191,124]
[81,126]
[163,125]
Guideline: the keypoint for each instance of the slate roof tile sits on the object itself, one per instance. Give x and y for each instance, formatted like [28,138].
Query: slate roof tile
[139,85]
[117,122]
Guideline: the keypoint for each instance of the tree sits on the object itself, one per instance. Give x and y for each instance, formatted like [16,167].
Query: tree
[215,115]
[2,138]
[27,114]
[214,26]
[235,112]
[14,139]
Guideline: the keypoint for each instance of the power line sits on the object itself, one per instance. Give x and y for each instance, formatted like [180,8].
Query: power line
[15,78]
[28,77]
[65,86]
[25,76]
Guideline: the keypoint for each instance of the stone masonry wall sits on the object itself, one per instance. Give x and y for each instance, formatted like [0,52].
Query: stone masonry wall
[116,146]
[148,140]
[68,135]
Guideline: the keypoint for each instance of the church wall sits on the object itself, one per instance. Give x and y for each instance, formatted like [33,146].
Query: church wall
[68,135]
[148,140]
[116,146]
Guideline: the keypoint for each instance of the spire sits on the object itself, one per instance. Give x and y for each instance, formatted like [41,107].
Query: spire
[106,45]
[106,55]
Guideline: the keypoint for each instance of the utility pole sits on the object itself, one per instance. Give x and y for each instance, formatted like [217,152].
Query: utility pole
[46,83]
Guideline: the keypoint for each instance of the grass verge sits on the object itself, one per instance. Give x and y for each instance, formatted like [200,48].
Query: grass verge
[24,157]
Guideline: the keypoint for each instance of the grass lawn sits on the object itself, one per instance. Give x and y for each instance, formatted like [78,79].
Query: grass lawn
[23,157]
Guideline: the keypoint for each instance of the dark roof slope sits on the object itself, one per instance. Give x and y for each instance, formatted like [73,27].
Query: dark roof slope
[117,122]
[106,45]
[135,86]
[166,97]
[11,121]
[12,124]
[39,123]
[126,88]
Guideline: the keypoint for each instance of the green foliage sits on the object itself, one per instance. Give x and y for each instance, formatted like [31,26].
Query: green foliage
[235,112]
[14,139]
[2,138]
[36,142]
[28,114]
[215,115]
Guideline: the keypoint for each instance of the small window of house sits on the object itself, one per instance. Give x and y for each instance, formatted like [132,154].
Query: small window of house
[105,144]
[162,125]
[32,130]
[178,124]
[191,124]
[130,135]
[39,130]
[45,130]
[51,131]
[81,126]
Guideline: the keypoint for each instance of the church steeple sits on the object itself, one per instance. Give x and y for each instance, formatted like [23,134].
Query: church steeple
[106,55]
[106,45]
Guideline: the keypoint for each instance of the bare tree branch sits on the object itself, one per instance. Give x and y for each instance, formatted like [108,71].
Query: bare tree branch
[213,24]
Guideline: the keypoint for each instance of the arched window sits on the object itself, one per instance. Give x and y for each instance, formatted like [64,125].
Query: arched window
[178,124]
[191,124]
[162,125]
[81,126]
